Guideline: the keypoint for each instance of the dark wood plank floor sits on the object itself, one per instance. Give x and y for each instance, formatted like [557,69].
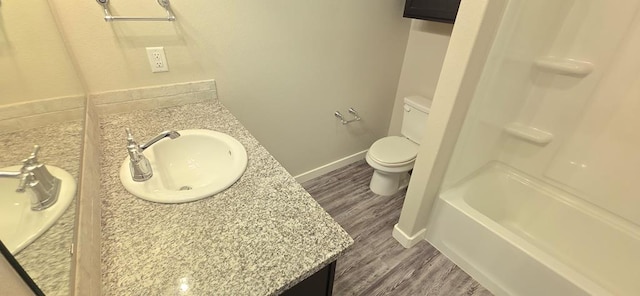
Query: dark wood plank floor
[377,264]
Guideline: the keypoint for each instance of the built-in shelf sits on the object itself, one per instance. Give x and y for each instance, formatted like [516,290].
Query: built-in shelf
[528,133]
[564,66]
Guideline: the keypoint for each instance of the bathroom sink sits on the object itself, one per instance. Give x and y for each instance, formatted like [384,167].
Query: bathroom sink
[198,164]
[19,225]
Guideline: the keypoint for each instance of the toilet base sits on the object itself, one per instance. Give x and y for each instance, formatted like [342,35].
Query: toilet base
[387,184]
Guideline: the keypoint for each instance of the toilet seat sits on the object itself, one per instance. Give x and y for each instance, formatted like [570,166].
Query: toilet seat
[393,151]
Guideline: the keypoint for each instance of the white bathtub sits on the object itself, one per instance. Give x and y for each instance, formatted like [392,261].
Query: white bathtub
[518,236]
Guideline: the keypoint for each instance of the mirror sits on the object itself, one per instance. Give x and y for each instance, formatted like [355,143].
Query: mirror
[41,102]
[14,277]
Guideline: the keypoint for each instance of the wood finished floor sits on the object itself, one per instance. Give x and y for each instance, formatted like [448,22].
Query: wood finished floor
[377,264]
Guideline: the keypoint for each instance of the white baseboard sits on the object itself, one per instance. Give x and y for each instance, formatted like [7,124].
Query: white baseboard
[406,240]
[319,171]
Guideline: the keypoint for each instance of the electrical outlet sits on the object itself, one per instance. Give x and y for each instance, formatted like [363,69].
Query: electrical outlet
[157,59]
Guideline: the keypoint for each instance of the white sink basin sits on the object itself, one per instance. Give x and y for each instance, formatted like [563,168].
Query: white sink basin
[19,225]
[198,164]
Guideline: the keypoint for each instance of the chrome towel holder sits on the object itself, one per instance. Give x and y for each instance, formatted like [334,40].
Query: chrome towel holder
[352,111]
[110,18]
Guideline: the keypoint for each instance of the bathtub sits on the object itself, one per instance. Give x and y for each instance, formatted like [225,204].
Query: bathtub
[518,236]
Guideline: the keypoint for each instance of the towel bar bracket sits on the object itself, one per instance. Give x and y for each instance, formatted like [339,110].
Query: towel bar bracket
[108,17]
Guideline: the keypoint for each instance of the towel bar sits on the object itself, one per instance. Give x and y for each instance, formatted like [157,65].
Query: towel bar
[110,18]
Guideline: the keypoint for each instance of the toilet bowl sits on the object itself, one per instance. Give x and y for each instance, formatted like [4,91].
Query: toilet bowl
[394,156]
[391,158]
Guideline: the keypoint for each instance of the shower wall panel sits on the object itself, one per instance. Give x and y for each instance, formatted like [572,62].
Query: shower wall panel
[593,153]
[528,30]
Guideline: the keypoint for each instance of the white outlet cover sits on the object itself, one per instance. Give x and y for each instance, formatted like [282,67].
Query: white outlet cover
[157,59]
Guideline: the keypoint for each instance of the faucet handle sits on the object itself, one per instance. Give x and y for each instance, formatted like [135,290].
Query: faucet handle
[36,149]
[131,142]
[132,147]
[129,134]
[32,160]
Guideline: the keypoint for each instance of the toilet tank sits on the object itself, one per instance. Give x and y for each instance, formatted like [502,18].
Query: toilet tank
[414,118]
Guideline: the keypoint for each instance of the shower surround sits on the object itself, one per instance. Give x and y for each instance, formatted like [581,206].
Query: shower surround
[540,196]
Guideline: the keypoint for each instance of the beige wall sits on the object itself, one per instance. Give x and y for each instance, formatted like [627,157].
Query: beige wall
[282,67]
[34,64]
[423,58]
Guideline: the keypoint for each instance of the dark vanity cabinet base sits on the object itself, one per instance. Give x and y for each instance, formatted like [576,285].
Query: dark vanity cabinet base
[432,10]
[318,284]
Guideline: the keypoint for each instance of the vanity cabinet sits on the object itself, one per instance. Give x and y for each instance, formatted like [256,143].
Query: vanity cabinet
[262,214]
[317,284]
[432,10]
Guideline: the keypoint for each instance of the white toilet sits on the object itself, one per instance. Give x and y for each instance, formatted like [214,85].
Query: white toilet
[393,157]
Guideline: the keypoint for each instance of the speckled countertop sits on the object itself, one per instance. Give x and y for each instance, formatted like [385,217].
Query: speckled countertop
[259,237]
[47,260]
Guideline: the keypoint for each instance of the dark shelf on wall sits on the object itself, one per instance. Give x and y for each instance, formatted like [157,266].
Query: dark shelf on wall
[432,10]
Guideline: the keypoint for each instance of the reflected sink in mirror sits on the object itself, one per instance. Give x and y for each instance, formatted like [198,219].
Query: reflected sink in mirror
[197,164]
[19,224]
[42,102]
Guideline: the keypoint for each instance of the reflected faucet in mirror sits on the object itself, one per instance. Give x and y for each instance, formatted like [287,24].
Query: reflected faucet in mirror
[36,180]
[43,103]
[139,164]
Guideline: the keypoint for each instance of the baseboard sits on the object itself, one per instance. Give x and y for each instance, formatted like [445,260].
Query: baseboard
[319,171]
[406,240]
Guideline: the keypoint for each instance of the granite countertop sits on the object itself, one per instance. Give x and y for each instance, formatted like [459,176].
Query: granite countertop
[47,260]
[259,237]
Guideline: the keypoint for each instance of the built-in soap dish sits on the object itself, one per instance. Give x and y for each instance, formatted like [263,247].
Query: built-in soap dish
[564,66]
[528,133]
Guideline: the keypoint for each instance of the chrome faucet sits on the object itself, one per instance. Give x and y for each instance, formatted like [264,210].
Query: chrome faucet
[139,165]
[43,187]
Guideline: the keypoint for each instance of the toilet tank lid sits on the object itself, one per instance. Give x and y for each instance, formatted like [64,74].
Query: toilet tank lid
[419,102]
